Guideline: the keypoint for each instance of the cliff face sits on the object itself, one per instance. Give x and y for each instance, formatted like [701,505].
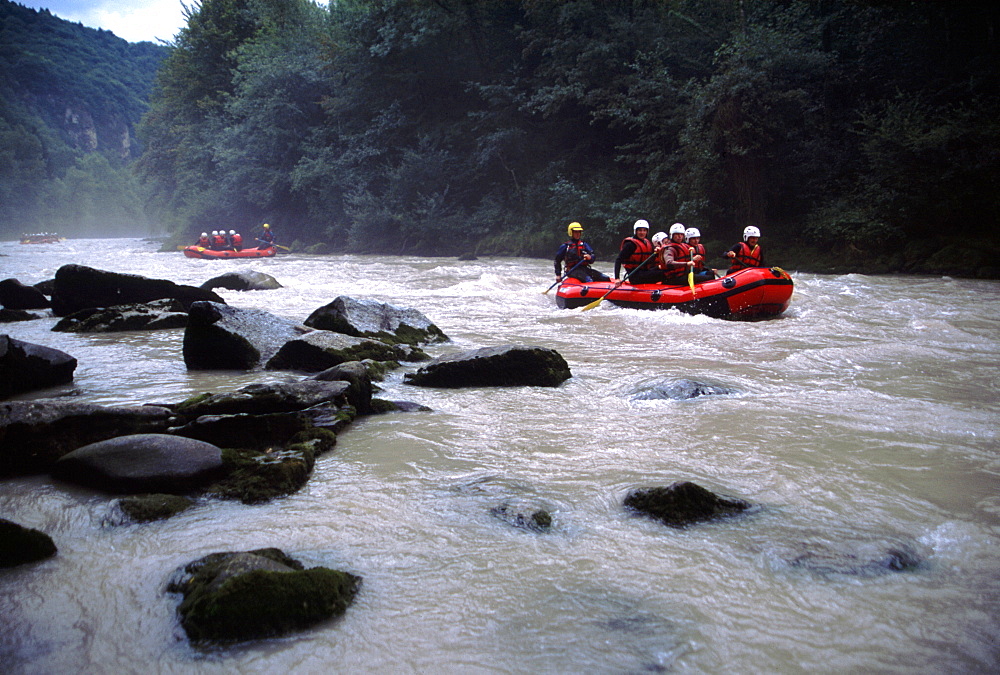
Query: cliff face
[88,86]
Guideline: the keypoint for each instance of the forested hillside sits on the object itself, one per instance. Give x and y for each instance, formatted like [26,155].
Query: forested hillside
[857,135]
[70,99]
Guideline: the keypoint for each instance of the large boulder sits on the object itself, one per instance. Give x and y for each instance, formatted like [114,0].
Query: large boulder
[142,463]
[504,366]
[34,434]
[220,337]
[260,431]
[274,397]
[373,319]
[243,281]
[683,504]
[20,545]
[322,349]
[262,416]
[360,387]
[78,287]
[15,295]
[25,366]
[12,315]
[236,596]
[156,315]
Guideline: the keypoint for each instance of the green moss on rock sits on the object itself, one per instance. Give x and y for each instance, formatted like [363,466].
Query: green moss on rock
[244,596]
[254,477]
[146,508]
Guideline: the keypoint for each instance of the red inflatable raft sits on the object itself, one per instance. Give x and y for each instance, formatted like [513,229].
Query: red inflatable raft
[755,293]
[202,252]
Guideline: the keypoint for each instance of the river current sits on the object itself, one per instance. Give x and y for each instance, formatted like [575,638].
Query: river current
[867,413]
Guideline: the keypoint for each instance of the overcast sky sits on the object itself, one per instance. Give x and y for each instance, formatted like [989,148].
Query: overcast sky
[132,20]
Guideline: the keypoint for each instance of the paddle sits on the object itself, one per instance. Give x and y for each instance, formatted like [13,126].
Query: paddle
[271,243]
[579,262]
[595,303]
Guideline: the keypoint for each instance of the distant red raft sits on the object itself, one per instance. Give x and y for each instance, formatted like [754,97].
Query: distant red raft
[202,252]
[755,293]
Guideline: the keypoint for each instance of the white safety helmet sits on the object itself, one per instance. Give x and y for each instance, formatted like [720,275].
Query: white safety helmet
[232,231]
[677,228]
[750,231]
[692,232]
[204,234]
[640,223]
[659,236]
[215,233]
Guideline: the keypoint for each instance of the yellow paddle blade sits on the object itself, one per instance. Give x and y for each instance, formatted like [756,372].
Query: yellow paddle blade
[595,303]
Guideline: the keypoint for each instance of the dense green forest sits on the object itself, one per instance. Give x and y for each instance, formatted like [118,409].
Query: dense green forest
[859,135]
[70,99]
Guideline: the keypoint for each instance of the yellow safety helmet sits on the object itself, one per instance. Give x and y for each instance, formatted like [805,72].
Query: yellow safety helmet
[573,227]
[266,226]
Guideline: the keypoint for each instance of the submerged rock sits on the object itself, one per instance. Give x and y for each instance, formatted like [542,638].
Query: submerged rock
[150,507]
[20,545]
[378,320]
[682,504]
[220,337]
[142,463]
[25,366]
[156,315]
[78,287]
[504,366]
[243,281]
[34,434]
[679,390]
[848,554]
[236,596]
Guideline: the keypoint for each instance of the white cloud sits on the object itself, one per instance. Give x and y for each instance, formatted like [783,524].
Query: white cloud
[132,20]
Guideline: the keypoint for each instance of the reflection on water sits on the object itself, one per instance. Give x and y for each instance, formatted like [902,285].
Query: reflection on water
[863,419]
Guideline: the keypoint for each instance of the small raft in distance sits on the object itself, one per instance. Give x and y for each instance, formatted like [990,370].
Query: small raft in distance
[754,293]
[211,254]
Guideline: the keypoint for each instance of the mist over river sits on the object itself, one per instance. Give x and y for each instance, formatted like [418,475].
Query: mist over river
[868,412]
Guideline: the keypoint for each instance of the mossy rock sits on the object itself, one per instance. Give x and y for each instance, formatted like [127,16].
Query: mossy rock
[255,477]
[20,545]
[683,504]
[147,508]
[233,597]
[377,370]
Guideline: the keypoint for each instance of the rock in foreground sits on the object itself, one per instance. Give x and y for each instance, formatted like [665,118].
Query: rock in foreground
[34,434]
[682,504]
[231,597]
[142,463]
[25,366]
[219,337]
[20,545]
[504,366]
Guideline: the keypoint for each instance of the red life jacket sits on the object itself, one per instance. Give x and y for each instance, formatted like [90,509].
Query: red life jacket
[682,254]
[219,240]
[643,249]
[237,239]
[267,236]
[698,249]
[203,242]
[574,253]
[746,257]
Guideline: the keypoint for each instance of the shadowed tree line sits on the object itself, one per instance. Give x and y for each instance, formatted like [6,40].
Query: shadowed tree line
[859,135]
